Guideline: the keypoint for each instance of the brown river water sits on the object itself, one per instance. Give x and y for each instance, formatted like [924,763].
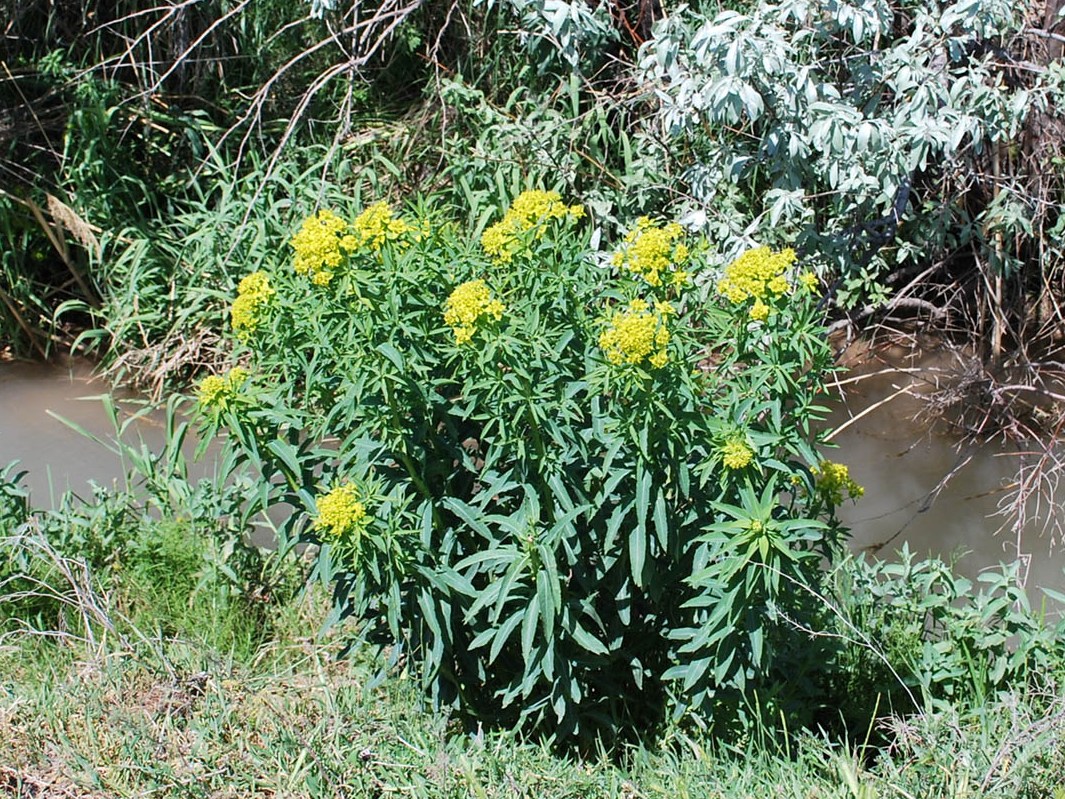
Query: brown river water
[55,456]
[901,463]
[924,486]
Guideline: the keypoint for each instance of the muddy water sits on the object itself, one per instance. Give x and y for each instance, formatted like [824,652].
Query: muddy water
[923,487]
[56,457]
[920,489]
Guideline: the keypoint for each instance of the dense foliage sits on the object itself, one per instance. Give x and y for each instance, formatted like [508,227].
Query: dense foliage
[771,122]
[891,140]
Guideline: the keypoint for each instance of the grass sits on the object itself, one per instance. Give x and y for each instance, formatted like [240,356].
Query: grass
[148,684]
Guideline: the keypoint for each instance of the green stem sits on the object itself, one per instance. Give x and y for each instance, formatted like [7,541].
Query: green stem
[405,458]
[541,450]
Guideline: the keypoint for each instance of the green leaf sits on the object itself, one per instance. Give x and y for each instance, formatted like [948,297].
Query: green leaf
[643,493]
[611,483]
[695,672]
[613,526]
[502,634]
[483,637]
[394,355]
[549,599]
[468,515]
[547,663]
[756,638]
[587,641]
[509,579]
[723,667]
[286,453]
[550,571]
[428,606]
[528,627]
[1057,596]
[558,488]
[496,557]
[449,579]
[637,554]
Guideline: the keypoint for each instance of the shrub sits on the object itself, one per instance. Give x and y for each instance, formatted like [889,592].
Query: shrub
[575,491]
[821,118]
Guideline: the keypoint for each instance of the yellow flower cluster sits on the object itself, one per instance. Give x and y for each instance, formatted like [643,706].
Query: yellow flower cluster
[638,333]
[253,295]
[834,481]
[736,454]
[649,250]
[216,391]
[530,209]
[340,513]
[320,246]
[377,224]
[761,274]
[469,304]
[212,391]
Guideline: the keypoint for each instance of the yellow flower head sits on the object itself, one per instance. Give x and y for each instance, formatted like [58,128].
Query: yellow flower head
[257,284]
[376,225]
[531,210]
[468,305]
[759,311]
[237,377]
[808,280]
[320,245]
[756,274]
[251,303]
[778,285]
[736,454]
[835,483]
[636,334]
[650,250]
[341,513]
[212,391]
[217,391]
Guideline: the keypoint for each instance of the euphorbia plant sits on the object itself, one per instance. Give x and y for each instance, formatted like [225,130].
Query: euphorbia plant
[576,491]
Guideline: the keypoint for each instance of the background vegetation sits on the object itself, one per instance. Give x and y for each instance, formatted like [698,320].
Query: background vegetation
[127,129]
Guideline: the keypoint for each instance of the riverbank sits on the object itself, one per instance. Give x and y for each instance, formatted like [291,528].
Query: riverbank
[147,650]
[938,483]
[142,696]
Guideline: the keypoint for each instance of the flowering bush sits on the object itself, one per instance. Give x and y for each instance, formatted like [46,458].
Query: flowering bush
[577,491]
[528,215]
